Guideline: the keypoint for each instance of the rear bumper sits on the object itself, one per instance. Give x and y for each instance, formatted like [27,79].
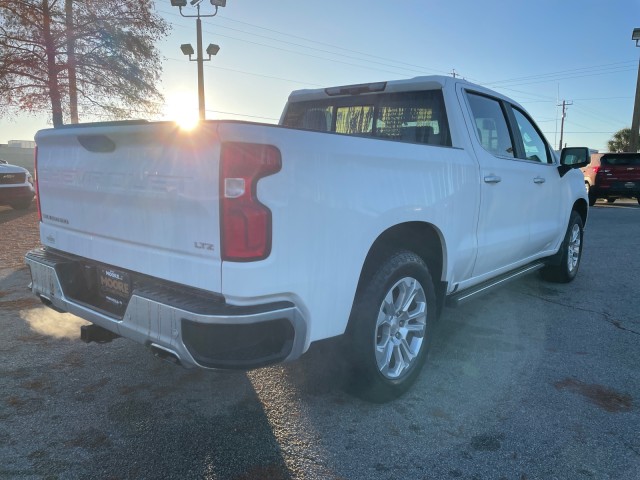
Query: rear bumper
[198,329]
[618,189]
[15,193]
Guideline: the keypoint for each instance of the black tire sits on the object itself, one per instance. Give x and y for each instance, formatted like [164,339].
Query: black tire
[21,205]
[611,200]
[638,199]
[570,253]
[592,199]
[378,337]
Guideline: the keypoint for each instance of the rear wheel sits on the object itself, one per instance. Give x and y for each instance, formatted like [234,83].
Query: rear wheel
[638,199]
[592,199]
[390,327]
[611,200]
[571,253]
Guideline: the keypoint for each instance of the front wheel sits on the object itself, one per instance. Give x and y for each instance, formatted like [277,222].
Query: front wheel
[390,327]
[570,253]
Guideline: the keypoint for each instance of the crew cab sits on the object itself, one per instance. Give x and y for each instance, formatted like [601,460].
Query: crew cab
[365,211]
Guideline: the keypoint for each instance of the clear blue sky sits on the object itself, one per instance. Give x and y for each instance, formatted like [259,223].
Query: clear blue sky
[535,52]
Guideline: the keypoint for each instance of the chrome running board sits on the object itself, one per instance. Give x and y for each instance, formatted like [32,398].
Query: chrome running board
[464,296]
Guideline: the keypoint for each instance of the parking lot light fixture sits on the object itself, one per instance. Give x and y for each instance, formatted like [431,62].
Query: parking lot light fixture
[187,49]
[212,50]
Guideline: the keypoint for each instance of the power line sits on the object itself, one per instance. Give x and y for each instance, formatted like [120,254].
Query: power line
[394,63]
[253,74]
[566,77]
[328,45]
[586,99]
[351,64]
[242,115]
[598,116]
[560,72]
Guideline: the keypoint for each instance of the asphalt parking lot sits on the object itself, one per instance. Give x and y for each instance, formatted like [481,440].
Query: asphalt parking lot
[535,381]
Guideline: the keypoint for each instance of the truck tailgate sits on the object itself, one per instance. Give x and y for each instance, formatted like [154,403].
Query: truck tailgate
[141,197]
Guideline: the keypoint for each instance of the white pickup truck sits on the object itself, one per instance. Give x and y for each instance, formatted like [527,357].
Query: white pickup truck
[237,245]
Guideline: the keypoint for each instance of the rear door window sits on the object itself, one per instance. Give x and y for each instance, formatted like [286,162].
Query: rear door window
[491,125]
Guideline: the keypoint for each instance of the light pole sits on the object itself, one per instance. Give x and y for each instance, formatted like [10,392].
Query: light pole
[635,122]
[187,49]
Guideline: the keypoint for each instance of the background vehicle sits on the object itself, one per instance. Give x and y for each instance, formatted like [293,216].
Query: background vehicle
[590,170]
[613,175]
[237,245]
[16,186]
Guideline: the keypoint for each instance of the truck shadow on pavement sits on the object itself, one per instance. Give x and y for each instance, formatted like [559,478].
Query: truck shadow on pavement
[113,411]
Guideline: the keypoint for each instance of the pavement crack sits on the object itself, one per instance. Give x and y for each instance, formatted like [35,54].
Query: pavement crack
[606,316]
[630,447]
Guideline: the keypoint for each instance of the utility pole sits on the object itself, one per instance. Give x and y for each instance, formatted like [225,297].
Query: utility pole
[454,74]
[635,121]
[199,61]
[564,105]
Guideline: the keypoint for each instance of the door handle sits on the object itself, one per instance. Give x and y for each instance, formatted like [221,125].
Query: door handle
[492,179]
[539,180]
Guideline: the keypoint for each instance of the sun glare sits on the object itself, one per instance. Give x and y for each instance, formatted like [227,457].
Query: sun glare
[187,122]
[181,107]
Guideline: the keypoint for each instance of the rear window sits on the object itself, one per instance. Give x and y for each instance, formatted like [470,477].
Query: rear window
[620,159]
[412,117]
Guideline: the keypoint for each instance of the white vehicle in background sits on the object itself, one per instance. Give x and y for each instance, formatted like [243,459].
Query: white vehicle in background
[362,214]
[16,186]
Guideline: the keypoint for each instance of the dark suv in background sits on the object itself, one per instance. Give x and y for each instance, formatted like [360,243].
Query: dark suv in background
[613,175]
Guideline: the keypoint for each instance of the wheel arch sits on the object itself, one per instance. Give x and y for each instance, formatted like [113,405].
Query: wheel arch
[582,208]
[422,238]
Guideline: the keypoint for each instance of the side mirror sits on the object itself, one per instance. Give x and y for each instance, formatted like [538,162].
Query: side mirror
[573,157]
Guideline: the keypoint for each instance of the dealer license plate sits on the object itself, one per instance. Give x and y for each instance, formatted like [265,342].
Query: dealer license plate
[115,285]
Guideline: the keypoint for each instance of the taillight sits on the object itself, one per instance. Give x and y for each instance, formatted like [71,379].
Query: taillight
[245,222]
[595,170]
[35,180]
